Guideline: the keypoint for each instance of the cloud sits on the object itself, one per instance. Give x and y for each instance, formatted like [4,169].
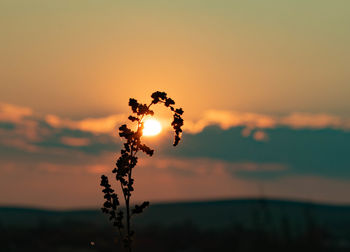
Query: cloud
[71,169]
[225,154]
[95,125]
[322,152]
[198,166]
[228,119]
[314,121]
[260,136]
[18,143]
[223,118]
[12,113]
[313,144]
[155,180]
[75,141]
[23,130]
[17,127]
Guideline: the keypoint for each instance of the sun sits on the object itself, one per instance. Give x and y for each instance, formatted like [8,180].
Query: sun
[151,127]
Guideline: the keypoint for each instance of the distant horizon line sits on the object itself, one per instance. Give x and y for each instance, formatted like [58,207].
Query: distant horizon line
[177,202]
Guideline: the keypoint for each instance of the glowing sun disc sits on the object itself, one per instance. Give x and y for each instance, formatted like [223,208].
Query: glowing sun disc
[151,127]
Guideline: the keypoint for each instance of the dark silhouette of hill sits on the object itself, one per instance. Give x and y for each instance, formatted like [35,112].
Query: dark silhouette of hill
[229,225]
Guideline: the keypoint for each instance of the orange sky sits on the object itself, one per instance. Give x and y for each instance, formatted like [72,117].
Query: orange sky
[270,79]
[85,58]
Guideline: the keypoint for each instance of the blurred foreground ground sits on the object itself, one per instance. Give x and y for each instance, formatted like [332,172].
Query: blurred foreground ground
[232,225]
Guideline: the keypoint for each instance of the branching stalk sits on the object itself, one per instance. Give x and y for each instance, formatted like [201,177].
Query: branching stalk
[128,160]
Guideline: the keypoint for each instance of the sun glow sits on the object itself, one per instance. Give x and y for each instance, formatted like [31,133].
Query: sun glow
[151,127]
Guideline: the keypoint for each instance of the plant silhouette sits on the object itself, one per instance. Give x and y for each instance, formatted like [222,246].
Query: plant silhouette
[128,160]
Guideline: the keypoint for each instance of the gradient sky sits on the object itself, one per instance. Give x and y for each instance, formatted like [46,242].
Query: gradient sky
[264,85]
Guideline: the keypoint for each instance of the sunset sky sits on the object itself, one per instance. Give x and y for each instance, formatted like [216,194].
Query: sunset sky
[265,86]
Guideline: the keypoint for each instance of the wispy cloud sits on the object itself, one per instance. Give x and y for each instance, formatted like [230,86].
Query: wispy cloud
[315,121]
[159,179]
[76,141]
[95,125]
[247,144]
[23,129]
[198,166]
[28,121]
[13,113]
[228,119]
